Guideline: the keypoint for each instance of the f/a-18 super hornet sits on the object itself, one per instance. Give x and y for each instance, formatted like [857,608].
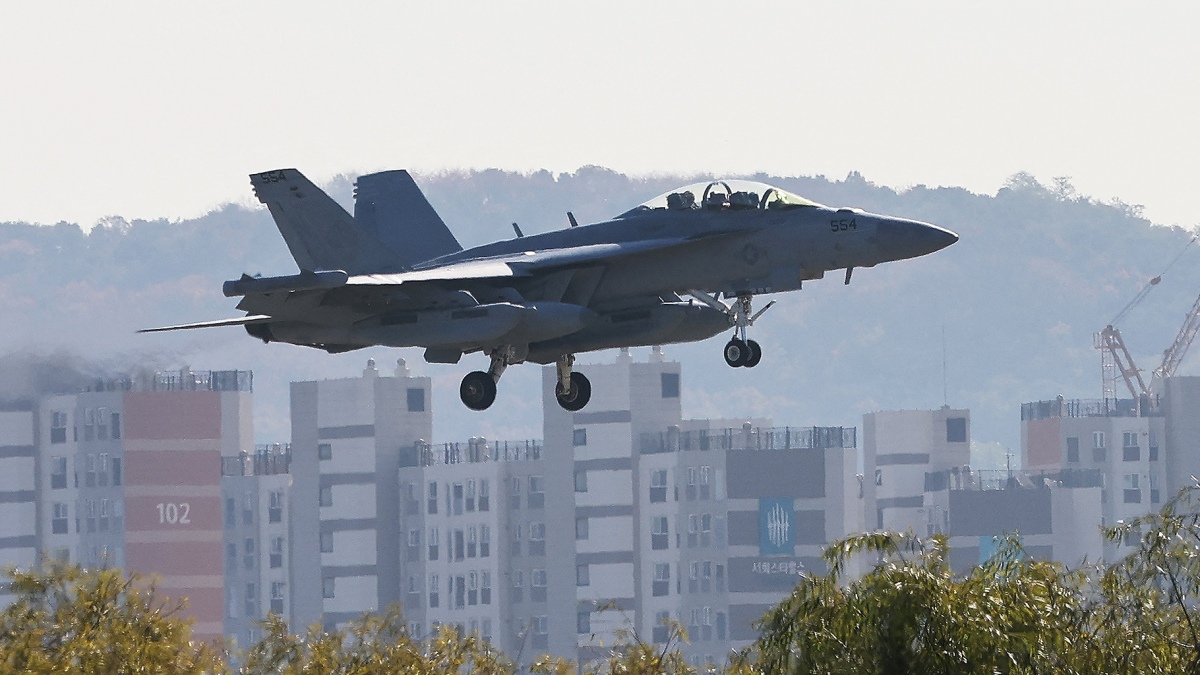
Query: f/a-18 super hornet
[682,267]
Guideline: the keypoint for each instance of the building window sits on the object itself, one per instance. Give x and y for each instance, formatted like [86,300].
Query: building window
[251,599]
[472,541]
[1072,448]
[659,533]
[537,585]
[670,385]
[1130,451]
[583,576]
[690,487]
[104,515]
[432,498]
[277,597]
[58,427]
[537,538]
[432,541]
[324,451]
[275,507]
[416,399]
[326,496]
[433,590]
[583,622]
[485,541]
[116,426]
[471,495]
[276,552]
[581,481]
[460,592]
[579,437]
[879,476]
[484,495]
[457,544]
[116,470]
[473,588]
[658,485]
[248,559]
[581,528]
[537,492]
[231,556]
[662,579]
[1133,492]
[326,542]
[514,498]
[90,471]
[59,524]
[662,622]
[327,587]
[248,509]
[1098,439]
[485,590]
[956,430]
[58,473]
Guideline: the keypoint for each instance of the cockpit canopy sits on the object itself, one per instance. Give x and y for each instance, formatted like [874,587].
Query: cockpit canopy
[723,195]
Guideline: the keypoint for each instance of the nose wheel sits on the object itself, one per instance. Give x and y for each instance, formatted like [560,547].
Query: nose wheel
[573,390]
[742,353]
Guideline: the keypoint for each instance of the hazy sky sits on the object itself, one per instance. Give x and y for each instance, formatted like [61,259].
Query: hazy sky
[160,109]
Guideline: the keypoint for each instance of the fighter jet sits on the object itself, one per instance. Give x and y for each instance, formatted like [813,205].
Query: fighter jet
[681,267]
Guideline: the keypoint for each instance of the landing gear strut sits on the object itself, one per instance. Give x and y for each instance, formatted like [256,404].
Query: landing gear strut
[572,390]
[478,389]
[740,352]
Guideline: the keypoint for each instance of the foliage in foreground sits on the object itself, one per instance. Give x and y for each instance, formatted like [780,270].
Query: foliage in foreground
[911,614]
[66,620]
[908,614]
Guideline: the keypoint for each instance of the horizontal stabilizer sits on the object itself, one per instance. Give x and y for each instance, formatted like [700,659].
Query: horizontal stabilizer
[305,281]
[240,321]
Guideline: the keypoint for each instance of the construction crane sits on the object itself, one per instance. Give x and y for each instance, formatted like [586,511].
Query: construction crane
[1115,358]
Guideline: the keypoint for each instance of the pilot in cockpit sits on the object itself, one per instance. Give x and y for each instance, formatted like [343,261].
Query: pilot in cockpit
[681,200]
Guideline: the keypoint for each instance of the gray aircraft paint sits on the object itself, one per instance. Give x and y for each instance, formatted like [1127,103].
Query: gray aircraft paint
[394,275]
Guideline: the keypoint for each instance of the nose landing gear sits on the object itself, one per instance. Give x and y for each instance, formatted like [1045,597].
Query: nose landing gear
[740,351]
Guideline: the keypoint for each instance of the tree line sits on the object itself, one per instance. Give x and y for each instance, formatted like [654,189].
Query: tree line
[908,614]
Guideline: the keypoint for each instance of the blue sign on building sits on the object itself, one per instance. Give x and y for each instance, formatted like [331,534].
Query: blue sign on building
[776,526]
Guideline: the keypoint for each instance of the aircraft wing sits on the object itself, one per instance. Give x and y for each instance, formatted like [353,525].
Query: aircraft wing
[522,264]
[239,321]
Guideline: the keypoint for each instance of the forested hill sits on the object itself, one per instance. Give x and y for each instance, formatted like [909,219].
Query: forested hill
[1036,272]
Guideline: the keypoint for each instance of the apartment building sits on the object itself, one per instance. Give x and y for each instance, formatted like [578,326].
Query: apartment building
[345,533]
[1121,441]
[255,491]
[131,477]
[18,492]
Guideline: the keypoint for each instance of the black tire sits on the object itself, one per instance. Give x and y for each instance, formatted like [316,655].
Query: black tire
[755,354]
[478,390]
[736,353]
[577,396]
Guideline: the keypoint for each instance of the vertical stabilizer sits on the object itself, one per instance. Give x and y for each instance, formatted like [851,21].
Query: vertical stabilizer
[391,206]
[318,231]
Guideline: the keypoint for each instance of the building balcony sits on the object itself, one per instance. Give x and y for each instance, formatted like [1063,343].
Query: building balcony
[1083,407]
[423,454]
[748,438]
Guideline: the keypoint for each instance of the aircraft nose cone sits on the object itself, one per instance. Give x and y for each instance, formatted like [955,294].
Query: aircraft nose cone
[899,239]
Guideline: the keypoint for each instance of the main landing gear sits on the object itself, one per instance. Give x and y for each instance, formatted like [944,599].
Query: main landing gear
[478,389]
[740,352]
[572,390]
